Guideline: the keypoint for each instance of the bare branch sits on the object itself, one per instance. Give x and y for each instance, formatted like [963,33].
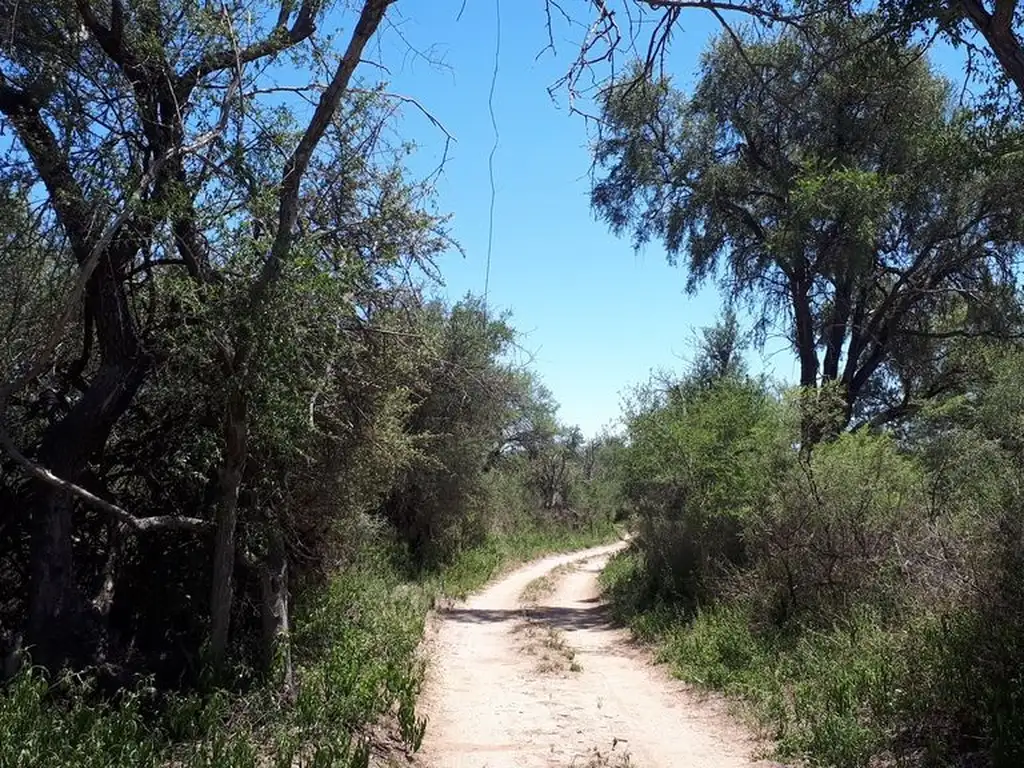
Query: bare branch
[288,211]
[434,120]
[766,12]
[998,33]
[1003,16]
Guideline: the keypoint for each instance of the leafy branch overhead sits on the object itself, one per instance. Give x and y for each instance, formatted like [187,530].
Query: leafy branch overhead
[852,206]
[988,31]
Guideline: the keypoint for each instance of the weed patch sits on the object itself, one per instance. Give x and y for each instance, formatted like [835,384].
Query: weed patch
[606,759]
[544,586]
[547,644]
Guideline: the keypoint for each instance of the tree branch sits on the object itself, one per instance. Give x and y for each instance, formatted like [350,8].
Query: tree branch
[288,210]
[65,193]
[43,357]
[998,33]
[280,39]
[761,11]
[1003,16]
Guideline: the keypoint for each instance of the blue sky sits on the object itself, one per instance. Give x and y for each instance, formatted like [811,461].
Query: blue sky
[596,317]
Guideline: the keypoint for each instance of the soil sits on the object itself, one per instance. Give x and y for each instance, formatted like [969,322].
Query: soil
[554,683]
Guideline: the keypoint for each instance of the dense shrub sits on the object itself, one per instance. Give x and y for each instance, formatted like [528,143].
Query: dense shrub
[838,529]
[874,608]
[696,470]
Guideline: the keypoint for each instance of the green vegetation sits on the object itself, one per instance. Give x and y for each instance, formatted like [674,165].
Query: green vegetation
[863,598]
[245,447]
[844,556]
[356,668]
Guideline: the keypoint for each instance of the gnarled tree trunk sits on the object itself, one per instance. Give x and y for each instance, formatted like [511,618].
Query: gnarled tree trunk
[58,626]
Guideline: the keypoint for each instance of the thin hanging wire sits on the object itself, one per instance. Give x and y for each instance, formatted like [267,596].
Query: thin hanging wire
[494,147]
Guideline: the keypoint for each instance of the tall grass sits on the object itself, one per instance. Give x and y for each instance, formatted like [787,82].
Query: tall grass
[860,692]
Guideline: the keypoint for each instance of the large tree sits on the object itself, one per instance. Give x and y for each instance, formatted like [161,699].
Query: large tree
[826,178]
[150,138]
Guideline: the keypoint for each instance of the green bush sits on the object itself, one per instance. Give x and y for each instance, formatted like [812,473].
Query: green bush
[835,529]
[877,614]
[698,466]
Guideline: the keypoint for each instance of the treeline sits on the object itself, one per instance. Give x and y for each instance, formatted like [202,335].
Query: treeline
[243,447]
[417,461]
[845,555]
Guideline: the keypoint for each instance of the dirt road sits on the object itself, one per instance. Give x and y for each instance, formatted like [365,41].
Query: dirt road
[559,686]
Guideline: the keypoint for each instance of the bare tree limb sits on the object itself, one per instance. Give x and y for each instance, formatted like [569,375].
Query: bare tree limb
[288,210]
[998,33]
[766,12]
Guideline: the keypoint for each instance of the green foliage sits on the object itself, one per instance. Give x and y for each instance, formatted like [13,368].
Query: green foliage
[359,638]
[355,646]
[696,469]
[867,604]
[472,568]
[826,178]
[832,533]
[463,397]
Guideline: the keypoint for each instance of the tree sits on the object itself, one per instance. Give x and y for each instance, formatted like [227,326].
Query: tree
[152,130]
[997,21]
[719,350]
[465,397]
[851,199]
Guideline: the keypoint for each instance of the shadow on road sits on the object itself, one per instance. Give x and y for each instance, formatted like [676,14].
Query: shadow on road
[567,619]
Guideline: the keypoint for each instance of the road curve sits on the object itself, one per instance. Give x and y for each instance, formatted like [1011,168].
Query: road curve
[560,686]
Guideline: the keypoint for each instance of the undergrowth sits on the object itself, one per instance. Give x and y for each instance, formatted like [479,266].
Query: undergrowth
[354,647]
[475,567]
[860,693]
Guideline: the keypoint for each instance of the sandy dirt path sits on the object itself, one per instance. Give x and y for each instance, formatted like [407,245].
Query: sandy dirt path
[559,686]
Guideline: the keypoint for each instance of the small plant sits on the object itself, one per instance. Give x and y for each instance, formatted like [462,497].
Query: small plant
[549,645]
[609,759]
[413,728]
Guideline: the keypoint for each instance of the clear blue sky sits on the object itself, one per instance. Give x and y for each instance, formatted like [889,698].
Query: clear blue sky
[595,316]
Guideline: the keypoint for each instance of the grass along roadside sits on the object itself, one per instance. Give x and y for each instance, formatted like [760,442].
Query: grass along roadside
[356,662]
[475,567]
[849,696]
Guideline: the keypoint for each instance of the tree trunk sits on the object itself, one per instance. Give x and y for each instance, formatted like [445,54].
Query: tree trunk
[277,657]
[56,621]
[806,349]
[997,29]
[222,591]
[55,606]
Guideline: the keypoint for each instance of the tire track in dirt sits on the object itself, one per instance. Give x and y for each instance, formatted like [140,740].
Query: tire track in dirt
[492,703]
